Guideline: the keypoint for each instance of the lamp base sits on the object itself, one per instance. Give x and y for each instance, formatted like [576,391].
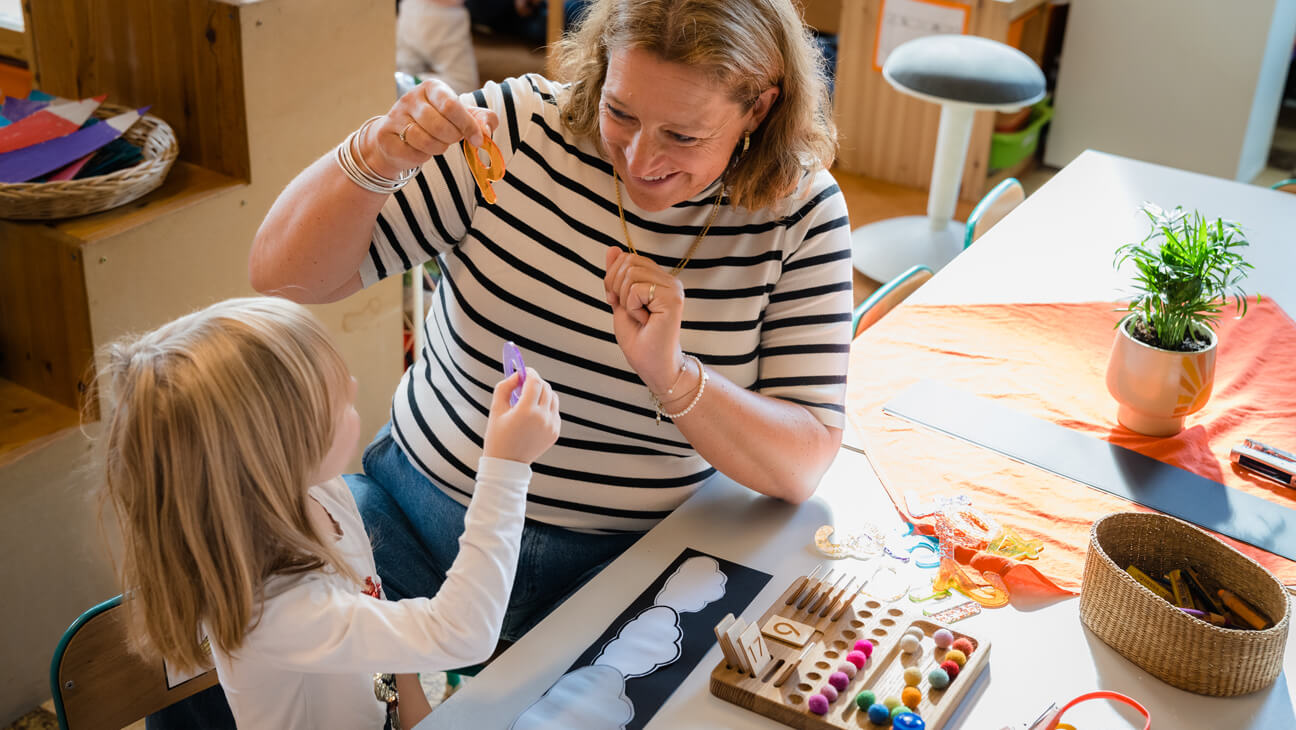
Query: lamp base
[885,249]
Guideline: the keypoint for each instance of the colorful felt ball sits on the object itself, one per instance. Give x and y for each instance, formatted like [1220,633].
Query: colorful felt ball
[909,645]
[848,669]
[911,696]
[818,704]
[915,632]
[939,678]
[858,658]
[908,721]
[879,714]
[962,644]
[899,710]
[865,647]
[830,692]
[956,656]
[838,680]
[912,676]
[891,702]
[950,668]
[943,638]
[865,699]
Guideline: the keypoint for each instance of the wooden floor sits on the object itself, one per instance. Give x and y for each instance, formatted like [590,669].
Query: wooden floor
[870,200]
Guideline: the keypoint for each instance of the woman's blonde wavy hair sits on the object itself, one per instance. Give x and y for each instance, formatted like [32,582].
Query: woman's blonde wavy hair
[217,422]
[749,45]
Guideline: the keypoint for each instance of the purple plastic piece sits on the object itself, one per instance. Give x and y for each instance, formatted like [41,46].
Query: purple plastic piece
[513,363]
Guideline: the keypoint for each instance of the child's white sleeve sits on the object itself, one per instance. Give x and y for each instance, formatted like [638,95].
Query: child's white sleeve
[319,626]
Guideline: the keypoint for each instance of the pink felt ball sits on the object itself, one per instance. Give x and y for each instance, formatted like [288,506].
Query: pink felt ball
[864,646]
[943,638]
[818,704]
[848,669]
[858,658]
[829,692]
[962,644]
[838,680]
[950,668]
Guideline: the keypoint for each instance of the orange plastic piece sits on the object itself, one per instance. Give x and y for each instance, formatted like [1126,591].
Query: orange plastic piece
[485,175]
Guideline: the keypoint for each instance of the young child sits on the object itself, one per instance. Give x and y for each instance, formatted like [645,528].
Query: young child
[229,430]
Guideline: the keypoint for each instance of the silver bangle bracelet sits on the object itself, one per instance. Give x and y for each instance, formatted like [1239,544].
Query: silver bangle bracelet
[354,167]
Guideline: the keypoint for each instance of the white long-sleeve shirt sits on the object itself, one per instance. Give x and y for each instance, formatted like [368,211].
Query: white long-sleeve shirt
[309,662]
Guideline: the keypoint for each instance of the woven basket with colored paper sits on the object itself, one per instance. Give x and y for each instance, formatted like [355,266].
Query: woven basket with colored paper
[67,198]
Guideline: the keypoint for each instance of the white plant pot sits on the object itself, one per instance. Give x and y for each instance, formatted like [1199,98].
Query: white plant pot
[1157,389]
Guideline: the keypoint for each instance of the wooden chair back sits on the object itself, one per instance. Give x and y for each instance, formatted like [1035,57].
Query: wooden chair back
[996,204]
[98,682]
[886,298]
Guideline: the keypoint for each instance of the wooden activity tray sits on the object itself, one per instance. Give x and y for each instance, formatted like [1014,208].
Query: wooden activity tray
[863,618]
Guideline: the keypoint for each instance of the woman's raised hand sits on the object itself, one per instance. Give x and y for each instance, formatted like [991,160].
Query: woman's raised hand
[647,307]
[428,120]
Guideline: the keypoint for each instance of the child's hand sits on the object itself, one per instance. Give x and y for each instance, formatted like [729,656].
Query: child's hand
[525,431]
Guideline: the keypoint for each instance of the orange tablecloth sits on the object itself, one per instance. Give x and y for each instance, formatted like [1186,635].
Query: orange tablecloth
[1050,361]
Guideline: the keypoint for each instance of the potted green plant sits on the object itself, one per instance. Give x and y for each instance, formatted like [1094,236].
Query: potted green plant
[1162,366]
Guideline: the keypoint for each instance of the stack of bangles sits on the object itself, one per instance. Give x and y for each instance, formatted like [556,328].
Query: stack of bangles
[697,396]
[353,164]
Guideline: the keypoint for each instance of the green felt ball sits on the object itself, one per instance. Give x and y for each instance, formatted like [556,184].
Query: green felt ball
[899,710]
[865,699]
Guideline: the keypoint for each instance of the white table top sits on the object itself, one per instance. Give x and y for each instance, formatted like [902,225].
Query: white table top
[1062,237]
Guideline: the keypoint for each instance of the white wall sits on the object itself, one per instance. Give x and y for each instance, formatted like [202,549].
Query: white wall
[1192,84]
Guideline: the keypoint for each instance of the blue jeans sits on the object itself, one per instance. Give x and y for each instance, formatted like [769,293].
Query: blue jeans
[414,529]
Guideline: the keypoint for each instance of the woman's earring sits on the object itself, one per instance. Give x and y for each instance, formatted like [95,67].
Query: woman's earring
[746,142]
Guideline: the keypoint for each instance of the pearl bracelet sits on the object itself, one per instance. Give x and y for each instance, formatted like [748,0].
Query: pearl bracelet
[696,396]
[358,171]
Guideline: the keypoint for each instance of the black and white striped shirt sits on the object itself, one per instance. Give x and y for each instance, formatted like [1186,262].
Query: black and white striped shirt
[767,306]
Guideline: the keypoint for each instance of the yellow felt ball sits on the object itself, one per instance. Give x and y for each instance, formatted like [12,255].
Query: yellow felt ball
[956,656]
[912,676]
[911,696]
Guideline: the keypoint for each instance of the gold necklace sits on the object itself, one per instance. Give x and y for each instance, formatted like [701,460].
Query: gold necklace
[715,208]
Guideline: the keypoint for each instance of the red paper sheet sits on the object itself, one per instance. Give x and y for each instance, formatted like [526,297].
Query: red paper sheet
[1050,361]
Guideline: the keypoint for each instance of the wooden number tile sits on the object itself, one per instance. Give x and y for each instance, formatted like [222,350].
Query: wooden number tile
[787,630]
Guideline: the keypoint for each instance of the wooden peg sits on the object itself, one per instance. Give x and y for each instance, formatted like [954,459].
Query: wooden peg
[832,605]
[792,667]
[801,583]
[814,591]
[822,596]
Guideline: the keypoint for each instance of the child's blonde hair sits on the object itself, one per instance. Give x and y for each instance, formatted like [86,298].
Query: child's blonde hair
[218,421]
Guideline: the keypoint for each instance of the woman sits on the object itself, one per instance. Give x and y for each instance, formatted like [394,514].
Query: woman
[667,247]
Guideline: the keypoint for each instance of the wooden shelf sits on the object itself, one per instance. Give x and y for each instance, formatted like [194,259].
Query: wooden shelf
[28,419]
[185,185]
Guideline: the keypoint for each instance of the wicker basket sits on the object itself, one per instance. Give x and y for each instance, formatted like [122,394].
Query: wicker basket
[1169,644]
[67,198]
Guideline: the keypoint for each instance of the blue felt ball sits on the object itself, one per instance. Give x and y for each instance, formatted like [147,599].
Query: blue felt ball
[939,678]
[879,714]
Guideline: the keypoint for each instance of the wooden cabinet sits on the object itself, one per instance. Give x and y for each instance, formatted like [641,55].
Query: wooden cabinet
[255,91]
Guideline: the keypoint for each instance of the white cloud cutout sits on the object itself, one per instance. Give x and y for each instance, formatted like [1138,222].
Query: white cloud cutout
[589,698]
[697,582]
[645,643]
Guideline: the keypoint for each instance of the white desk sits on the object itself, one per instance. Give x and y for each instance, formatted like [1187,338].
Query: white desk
[1055,247]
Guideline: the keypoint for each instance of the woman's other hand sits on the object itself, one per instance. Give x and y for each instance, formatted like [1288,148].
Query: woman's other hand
[431,119]
[524,431]
[647,307]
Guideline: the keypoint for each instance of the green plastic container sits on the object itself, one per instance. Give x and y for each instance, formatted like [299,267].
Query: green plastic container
[1009,148]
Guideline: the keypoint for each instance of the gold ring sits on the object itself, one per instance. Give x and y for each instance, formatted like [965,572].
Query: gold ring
[404,130]
[652,291]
